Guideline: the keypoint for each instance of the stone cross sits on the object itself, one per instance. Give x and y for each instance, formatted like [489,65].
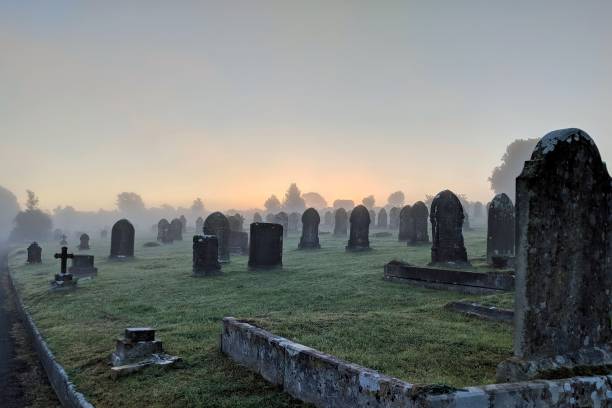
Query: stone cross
[64,256]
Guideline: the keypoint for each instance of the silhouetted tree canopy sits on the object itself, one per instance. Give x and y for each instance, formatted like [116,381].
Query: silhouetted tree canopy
[314,200]
[130,203]
[198,206]
[346,204]
[9,207]
[293,199]
[32,224]
[396,199]
[272,204]
[369,202]
[503,177]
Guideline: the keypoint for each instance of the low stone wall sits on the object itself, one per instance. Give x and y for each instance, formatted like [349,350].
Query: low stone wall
[63,387]
[482,312]
[327,381]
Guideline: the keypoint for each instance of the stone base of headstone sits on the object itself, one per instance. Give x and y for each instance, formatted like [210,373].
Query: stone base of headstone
[83,266]
[585,362]
[137,350]
[63,282]
[308,245]
[502,262]
[357,248]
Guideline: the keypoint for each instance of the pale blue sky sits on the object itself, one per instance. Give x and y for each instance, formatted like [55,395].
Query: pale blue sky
[233,100]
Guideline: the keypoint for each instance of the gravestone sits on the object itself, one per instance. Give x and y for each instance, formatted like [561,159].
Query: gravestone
[122,240]
[394,218]
[63,280]
[270,218]
[217,224]
[257,217]
[34,253]
[373,218]
[239,243]
[83,265]
[340,223]
[310,230]
[176,230]
[359,239]
[205,255]
[199,225]
[283,219]
[446,229]
[328,219]
[163,231]
[84,242]
[406,225]
[419,215]
[294,220]
[63,240]
[104,234]
[500,228]
[382,219]
[236,222]
[563,270]
[183,224]
[266,248]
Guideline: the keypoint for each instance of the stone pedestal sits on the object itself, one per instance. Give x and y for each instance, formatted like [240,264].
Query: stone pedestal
[63,282]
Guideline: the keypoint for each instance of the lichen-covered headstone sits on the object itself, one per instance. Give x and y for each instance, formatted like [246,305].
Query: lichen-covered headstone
[406,225]
[257,217]
[217,224]
[122,240]
[382,219]
[283,219]
[500,227]
[419,214]
[446,229]
[310,230]
[563,268]
[394,213]
[340,223]
[359,238]
[34,253]
[294,220]
[205,255]
[266,246]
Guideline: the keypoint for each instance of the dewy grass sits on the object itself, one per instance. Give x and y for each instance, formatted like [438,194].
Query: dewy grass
[328,299]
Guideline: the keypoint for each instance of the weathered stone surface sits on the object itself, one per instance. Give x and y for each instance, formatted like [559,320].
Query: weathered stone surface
[294,220]
[283,219]
[340,223]
[84,242]
[500,227]
[382,219]
[394,213]
[310,230]
[217,224]
[564,242]
[83,265]
[205,255]
[122,240]
[446,226]
[359,239]
[176,230]
[34,253]
[406,225]
[419,214]
[137,350]
[266,247]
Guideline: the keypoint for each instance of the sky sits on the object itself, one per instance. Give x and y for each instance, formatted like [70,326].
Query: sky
[231,101]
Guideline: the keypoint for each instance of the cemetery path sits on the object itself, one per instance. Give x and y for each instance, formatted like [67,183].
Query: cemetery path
[22,380]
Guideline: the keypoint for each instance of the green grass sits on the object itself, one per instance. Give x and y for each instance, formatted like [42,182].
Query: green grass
[333,301]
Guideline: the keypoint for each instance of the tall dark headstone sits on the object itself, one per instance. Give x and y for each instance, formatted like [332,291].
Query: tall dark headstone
[34,253]
[84,242]
[359,239]
[382,219]
[163,231]
[257,217]
[500,227]
[446,229]
[406,225]
[294,220]
[217,224]
[283,219]
[266,246]
[310,229]
[419,215]
[205,255]
[394,218]
[562,301]
[176,229]
[340,223]
[122,240]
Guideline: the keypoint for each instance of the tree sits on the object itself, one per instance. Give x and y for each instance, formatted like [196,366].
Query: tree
[293,200]
[31,224]
[346,204]
[314,200]
[369,202]
[9,207]
[272,204]
[198,206]
[130,203]
[32,202]
[396,199]
[503,177]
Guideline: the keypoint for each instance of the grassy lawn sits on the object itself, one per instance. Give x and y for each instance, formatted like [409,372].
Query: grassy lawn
[328,299]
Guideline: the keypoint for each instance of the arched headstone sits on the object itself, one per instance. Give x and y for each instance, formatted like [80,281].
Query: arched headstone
[500,227]
[310,229]
[328,219]
[34,253]
[163,231]
[359,238]
[419,215]
[446,229]
[176,229]
[217,224]
[340,223]
[382,219]
[406,225]
[394,218]
[257,217]
[270,218]
[84,242]
[294,220]
[122,240]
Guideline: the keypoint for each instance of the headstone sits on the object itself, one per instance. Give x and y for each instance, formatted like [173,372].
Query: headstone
[205,255]
[382,219]
[360,229]
[394,218]
[373,218]
[446,229]
[283,219]
[84,242]
[183,223]
[63,280]
[163,231]
[236,222]
[419,215]
[563,270]
[500,227]
[122,240]
[34,253]
[257,217]
[239,243]
[270,218]
[406,225]
[266,247]
[340,223]
[63,240]
[328,219]
[83,265]
[176,230]
[294,220]
[199,225]
[310,230]
[217,224]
